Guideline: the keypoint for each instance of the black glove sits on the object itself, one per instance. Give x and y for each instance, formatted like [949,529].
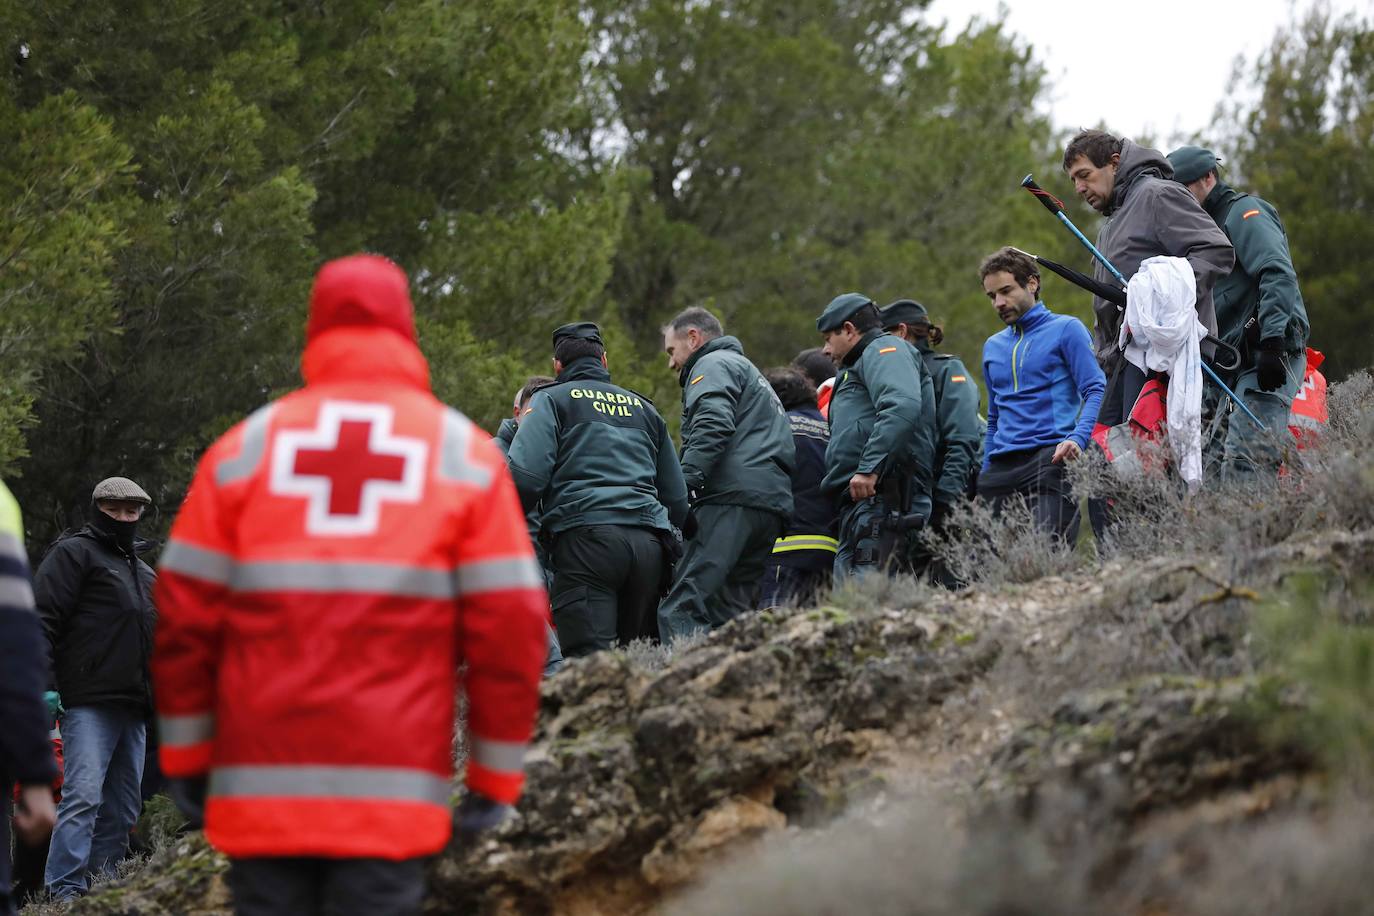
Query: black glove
[478,814]
[1272,370]
[939,512]
[689,525]
[189,797]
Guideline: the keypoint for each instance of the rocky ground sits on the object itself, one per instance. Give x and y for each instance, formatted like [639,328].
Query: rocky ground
[1076,744]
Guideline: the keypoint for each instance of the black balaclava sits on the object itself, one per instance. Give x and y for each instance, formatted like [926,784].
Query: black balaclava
[122,532]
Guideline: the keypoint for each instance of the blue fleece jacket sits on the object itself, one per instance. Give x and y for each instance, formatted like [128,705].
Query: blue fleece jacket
[1044,384]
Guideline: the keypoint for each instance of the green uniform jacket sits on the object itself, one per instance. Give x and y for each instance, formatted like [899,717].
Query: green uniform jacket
[1263,282]
[925,447]
[874,411]
[736,441]
[505,435]
[959,439]
[596,454]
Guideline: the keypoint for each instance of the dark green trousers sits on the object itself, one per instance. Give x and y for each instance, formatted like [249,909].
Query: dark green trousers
[606,583]
[720,569]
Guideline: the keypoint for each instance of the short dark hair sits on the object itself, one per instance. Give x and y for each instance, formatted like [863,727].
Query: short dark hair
[534,383]
[866,318]
[1013,262]
[792,387]
[570,349]
[696,317]
[815,365]
[1098,145]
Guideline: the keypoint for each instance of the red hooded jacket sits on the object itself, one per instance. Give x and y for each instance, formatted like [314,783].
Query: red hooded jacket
[339,555]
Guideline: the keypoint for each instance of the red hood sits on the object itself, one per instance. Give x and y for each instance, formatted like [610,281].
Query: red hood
[361,291]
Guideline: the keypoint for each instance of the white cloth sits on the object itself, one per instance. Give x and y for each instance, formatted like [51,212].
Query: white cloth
[1161,331]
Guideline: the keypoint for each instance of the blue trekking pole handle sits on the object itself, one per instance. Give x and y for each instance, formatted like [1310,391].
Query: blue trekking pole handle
[1056,206]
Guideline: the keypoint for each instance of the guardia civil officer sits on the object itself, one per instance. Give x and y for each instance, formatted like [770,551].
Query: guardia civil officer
[874,415]
[1259,311]
[737,457]
[959,432]
[601,461]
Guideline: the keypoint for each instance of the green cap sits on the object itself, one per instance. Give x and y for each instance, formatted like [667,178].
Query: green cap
[1192,162]
[840,310]
[578,330]
[904,311]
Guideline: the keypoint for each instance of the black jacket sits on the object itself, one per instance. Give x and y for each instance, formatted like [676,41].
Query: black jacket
[96,603]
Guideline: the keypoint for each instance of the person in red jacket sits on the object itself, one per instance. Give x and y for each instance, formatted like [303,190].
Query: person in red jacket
[339,555]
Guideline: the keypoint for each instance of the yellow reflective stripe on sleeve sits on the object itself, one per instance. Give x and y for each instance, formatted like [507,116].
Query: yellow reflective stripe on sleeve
[697,379]
[958,378]
[1249,213]
[888,350]
[806,542]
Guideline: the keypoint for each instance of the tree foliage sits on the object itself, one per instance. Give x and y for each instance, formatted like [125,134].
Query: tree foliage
[177,170]
[1304,145]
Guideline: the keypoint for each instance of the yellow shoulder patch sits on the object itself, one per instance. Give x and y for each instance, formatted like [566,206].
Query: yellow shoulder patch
[888,350]
[697,379]
[1249,213]
[957,378]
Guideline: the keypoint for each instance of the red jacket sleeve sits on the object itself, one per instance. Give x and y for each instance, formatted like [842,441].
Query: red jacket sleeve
[193,576]
[502,634]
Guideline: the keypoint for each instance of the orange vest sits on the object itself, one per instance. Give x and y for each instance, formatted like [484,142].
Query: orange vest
[339,555]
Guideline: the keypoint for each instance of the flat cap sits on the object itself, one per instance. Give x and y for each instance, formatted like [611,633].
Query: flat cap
[904,311]
[1192,162]
[120,488]
[578,330]
[840,310]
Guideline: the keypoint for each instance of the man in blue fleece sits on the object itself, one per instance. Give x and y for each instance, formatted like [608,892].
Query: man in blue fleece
[1044,392]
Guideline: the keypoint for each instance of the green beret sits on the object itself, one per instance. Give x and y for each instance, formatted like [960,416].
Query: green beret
[904,311]
[840,310]
[578,330]
[1192,162]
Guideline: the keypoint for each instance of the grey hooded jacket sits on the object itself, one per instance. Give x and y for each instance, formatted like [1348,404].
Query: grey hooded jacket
[1150,215]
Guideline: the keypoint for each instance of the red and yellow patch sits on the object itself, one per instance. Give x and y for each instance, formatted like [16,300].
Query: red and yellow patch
[888,350]
[1249,213]
[958,378]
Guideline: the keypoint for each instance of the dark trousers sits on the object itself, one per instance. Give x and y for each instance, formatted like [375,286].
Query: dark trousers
[718,576]
[1123,390]
[1033,476]
[606,583]
[328,887]
[795,586]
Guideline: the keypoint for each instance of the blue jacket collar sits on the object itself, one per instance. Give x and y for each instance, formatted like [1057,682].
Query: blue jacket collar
[1029,321]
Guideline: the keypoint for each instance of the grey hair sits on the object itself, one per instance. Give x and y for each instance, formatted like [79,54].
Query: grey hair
[696,317]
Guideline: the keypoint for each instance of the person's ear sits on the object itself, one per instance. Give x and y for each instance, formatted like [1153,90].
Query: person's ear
[605,363]
[557,367]
[1115,160]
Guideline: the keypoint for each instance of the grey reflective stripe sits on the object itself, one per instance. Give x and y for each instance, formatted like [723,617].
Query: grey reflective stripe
[11,546]
[251,448]
[499,575]
[342,576]
[315,781]
[197,562]
[15,591]
[1303,420]
[453,452]
[185,731]
[506,756]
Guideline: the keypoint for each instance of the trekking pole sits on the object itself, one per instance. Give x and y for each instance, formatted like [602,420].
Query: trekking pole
[1117,296]
[1056,206]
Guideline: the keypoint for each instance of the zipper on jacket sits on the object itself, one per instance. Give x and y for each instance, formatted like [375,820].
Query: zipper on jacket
[1020,336]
